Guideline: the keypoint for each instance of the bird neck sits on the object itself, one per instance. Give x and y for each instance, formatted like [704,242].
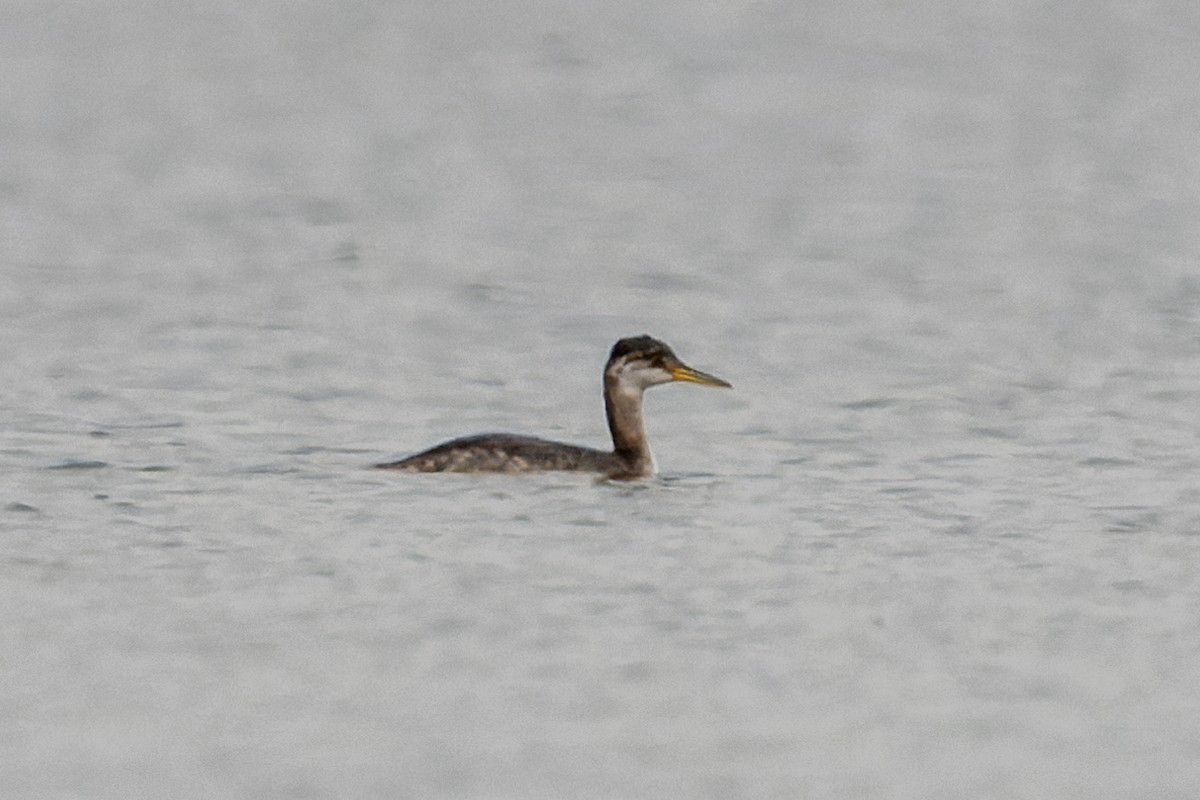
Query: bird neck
[623,404]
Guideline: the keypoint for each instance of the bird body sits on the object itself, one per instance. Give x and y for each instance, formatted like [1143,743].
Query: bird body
[634,365]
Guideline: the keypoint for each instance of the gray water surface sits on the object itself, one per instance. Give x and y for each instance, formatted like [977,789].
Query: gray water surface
[941,541]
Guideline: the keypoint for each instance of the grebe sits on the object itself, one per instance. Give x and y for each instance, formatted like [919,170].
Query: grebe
[634,365]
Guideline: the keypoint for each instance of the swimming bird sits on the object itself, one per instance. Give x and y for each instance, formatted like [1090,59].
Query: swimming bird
[634,365]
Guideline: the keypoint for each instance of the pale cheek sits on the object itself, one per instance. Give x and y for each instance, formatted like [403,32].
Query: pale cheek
[640,380]
[647,378]
[658,376]
[630,392]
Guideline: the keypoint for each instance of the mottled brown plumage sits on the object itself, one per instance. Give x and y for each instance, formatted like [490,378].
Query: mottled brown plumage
[634,365]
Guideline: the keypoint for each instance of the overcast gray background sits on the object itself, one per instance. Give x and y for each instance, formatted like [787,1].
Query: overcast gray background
[939,542]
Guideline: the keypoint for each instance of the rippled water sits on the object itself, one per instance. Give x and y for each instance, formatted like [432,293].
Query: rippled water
[941,541]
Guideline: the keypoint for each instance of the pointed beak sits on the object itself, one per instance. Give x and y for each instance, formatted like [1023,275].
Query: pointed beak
[683,372]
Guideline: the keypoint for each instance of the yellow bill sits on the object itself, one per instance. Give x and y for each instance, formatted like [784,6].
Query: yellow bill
[686,373]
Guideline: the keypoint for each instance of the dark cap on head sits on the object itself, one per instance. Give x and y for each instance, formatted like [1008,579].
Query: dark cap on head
[639,345]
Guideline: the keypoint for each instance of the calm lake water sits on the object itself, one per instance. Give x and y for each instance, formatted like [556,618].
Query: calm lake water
[941,541]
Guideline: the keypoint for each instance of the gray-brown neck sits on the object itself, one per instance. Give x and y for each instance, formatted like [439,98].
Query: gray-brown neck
[623,404]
